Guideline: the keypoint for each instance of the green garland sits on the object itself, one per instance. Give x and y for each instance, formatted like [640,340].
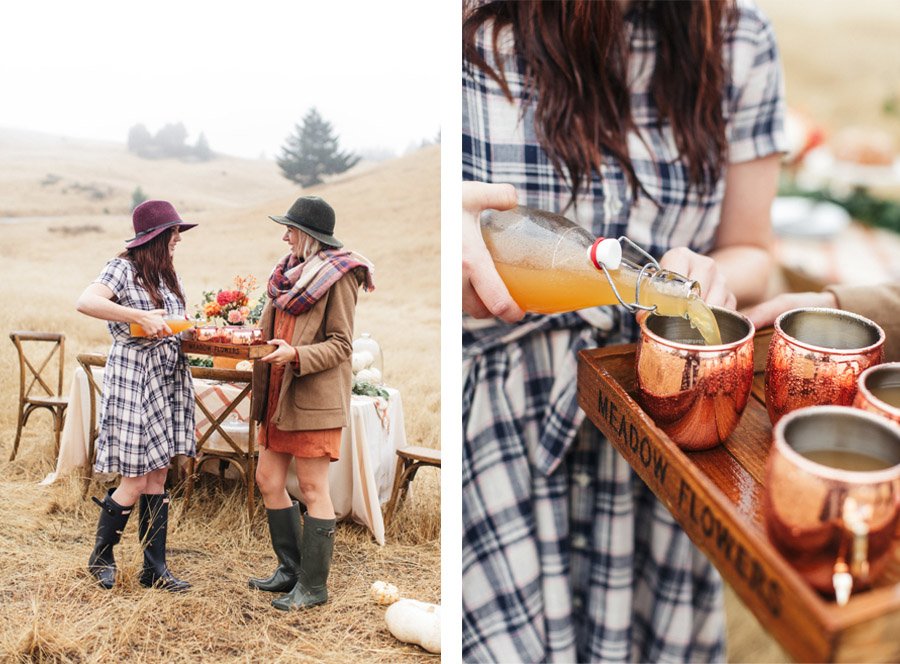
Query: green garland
[365,389]
[859,204]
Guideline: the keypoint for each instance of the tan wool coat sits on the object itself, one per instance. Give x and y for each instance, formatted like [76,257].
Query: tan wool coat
[879,303]
[315,394]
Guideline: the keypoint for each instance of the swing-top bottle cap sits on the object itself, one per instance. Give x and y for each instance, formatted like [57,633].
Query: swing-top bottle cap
[605,253]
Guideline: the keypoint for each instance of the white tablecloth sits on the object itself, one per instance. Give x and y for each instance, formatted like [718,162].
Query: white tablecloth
[360,481]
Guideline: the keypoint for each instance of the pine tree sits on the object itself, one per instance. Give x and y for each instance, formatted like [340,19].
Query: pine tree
[137,197]
[201,149]
[312,152]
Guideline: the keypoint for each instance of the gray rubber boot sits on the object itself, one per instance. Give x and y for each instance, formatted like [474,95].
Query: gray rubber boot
[284,528]
[317,546]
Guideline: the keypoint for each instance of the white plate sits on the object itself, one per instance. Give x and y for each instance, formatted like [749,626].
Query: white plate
[798,216]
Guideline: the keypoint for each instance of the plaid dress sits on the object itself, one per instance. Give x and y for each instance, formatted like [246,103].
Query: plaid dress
[147,410]
[566,554]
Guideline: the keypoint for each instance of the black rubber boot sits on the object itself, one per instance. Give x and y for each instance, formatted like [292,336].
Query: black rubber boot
[153,523]
[113,518]
[317,545]
[284,528]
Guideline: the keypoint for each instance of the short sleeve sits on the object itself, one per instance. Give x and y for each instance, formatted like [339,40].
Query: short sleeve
[116,275]
[756,95]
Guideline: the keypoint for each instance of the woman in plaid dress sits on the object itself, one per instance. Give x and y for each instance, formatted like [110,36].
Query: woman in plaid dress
[147,411]
[661,121]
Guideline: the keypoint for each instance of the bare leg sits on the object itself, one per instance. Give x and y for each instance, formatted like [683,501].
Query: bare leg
[156,481]
[129,490]
[312,475]
[271,478]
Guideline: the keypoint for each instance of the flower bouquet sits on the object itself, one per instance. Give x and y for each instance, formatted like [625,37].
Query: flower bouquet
[231,306]
[229,316]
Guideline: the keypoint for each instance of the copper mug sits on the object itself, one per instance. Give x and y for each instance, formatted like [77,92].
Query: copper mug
[832,500]
[695,393]
[816,356]
[879,391]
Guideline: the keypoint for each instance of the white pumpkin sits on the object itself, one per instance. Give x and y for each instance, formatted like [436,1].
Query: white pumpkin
[384,593]
[415,622]
[362,360]
[368,376]
[244,365]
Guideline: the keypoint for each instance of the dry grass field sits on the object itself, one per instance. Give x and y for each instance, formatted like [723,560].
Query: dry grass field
[52,610]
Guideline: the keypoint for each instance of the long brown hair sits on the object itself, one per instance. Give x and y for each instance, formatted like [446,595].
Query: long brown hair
[153,263]
[575,60]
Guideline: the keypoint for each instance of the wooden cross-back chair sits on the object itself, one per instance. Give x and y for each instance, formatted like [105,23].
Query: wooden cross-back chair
[89,362]
[243,459]
[31,377]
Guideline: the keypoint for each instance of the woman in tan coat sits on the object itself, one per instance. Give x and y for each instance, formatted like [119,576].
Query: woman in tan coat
[301,395]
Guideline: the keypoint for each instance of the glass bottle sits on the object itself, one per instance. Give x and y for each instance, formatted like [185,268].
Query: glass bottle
[550,265]
[177,325]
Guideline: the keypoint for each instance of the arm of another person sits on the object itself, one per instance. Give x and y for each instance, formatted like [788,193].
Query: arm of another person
[97,301]
[736,272]
[880,303]
[338,344]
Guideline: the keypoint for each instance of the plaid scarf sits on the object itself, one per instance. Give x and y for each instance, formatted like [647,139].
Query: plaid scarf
[295,285]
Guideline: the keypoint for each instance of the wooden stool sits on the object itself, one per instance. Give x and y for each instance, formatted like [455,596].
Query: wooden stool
[409,460]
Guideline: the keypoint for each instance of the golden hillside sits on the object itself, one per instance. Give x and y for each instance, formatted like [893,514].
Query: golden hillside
[47,175]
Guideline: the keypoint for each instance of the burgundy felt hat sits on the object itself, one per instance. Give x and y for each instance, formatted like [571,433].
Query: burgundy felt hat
[151,218]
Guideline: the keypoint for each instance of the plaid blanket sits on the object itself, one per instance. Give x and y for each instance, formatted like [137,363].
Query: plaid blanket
[295,285]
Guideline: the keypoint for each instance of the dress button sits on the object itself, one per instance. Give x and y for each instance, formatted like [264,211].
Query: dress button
[582,479]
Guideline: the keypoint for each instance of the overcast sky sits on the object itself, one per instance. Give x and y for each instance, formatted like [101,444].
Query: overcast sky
[242,72]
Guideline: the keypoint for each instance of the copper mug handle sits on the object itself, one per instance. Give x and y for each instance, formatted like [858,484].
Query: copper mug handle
[855,520]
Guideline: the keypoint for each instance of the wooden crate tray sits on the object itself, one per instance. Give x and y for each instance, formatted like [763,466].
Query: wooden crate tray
[239,351]
[717,497]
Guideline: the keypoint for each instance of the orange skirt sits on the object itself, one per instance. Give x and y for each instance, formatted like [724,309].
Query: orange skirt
[303,444]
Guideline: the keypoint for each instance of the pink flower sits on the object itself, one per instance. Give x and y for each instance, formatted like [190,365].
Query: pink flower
[234,316]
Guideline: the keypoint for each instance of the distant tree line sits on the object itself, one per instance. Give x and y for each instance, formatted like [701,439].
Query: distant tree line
[169,142]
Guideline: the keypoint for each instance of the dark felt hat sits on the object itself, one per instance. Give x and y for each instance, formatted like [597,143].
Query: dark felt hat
[151,218]
[314,216]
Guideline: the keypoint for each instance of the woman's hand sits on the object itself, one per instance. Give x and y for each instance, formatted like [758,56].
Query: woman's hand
[152,322]
[763,315]
[704,271]
[281,355]
[483,292]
